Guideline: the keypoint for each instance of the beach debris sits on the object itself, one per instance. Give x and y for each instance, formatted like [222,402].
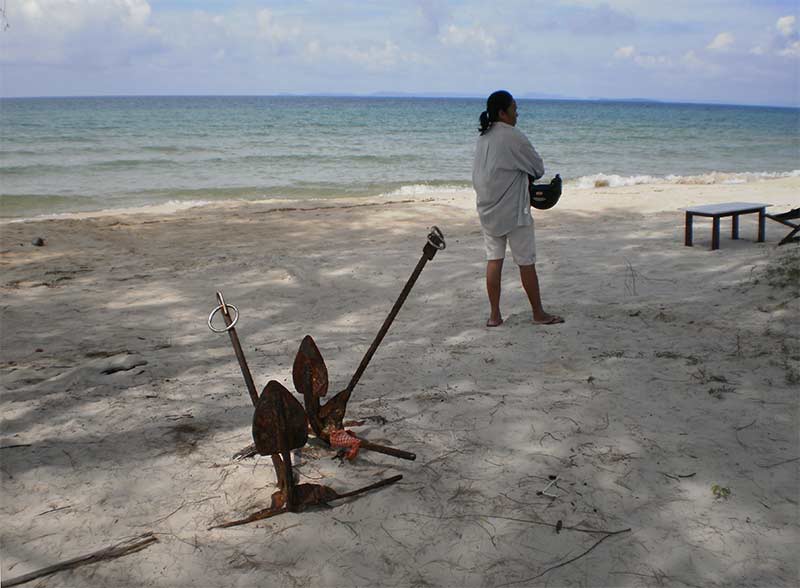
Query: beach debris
[37,242]
[720,492]
[553,482]
[118,550]
[347,441]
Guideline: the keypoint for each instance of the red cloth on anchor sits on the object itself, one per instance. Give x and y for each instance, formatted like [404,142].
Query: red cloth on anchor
[346,440]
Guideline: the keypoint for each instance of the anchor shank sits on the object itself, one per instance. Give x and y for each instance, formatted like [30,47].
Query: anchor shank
[288,488]
[237,349]
[311,402]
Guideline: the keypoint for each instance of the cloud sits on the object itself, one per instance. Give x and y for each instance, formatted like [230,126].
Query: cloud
[374,57]
[269,29]
[455,36]
[629,52]
[792,50]
[432,15]
[625,52]
[682,48]
[721,42]
[88,33]
[690,59]
[601,20]
[786,25]
[74,15]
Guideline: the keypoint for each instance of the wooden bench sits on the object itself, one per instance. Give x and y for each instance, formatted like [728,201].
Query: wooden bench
[717,211]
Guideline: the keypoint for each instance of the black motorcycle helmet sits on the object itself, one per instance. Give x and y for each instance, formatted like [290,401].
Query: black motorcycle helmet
[544,196]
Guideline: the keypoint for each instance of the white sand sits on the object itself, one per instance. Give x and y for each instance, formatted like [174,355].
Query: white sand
[677,369]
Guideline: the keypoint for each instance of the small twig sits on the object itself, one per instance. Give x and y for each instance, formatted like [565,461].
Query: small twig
[391,536]
[518,520]
[745,426]
[548,434]
[736,433]
[71,461]
[118,550]
[566,418]
[561,565]
[678,476]
[184,503]
[244,453]
[773,465]
[14,446]
[53,510]
[520,502]
[346,524]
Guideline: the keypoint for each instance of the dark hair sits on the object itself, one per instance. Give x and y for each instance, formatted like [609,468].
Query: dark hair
[500,100]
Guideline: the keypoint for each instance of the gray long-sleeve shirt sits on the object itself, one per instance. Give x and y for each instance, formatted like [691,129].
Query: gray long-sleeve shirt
[503,159]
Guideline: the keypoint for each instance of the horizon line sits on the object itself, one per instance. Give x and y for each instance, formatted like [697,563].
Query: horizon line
[384,94]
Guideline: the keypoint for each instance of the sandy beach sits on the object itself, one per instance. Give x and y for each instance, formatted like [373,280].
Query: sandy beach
[666,404]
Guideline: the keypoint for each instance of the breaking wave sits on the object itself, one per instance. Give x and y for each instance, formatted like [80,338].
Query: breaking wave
[616,181]
[425,189]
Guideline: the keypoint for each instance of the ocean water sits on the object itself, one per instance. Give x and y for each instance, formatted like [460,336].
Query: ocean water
[62,155]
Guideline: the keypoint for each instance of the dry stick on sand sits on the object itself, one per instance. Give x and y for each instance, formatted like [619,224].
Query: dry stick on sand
[124,548]
[562,564]
[606,534]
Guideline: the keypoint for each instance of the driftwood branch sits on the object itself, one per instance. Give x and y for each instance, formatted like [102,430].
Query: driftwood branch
[118,550]
[260,515]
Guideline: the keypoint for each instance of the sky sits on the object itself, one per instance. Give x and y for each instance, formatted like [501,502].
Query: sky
[728,51]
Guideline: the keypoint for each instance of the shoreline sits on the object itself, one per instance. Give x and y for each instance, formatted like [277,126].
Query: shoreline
[596,183]
[683,190]
[676,371]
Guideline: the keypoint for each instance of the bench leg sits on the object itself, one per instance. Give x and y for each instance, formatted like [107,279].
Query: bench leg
[715,233]
[761,225]
[687,239]
[735,226]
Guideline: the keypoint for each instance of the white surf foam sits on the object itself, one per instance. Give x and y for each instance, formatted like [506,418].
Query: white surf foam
[614,181]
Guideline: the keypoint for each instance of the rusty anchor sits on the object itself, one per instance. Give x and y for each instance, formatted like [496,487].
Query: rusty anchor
[310,376]
[280,425]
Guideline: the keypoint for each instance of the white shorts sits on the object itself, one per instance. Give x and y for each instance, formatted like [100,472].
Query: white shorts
[522,243]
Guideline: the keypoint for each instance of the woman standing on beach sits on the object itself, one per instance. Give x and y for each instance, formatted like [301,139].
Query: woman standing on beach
[504,158]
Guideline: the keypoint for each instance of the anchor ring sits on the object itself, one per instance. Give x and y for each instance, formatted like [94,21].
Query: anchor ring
[436,238]
[216,310]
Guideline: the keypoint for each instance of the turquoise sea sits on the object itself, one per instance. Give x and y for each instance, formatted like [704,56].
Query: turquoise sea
[61,155]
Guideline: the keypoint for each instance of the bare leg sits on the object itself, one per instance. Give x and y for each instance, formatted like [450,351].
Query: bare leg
[530,282]
[494,271]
